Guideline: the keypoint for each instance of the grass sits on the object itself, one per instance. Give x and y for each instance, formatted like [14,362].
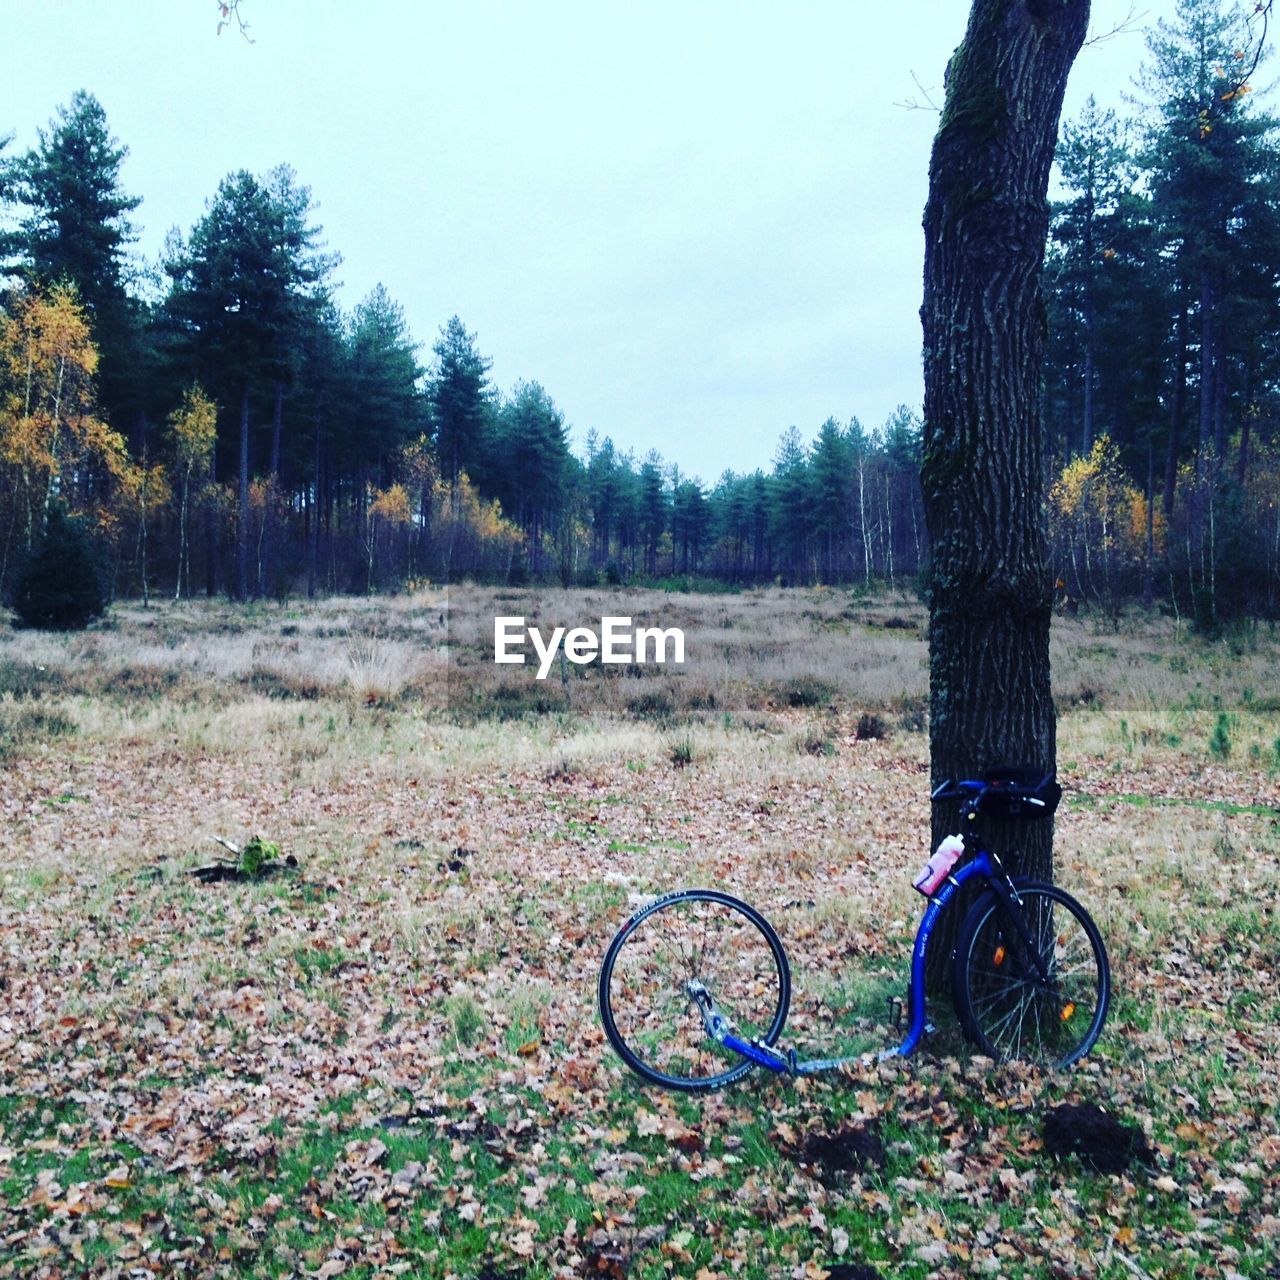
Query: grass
[392,1060]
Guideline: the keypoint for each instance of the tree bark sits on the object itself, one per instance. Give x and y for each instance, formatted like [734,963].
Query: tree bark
[982,473]
[242,534]
[1179,402]
[1208,367]
[313,540]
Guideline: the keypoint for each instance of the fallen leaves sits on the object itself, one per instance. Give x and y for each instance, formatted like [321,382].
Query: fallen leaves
[425,1033]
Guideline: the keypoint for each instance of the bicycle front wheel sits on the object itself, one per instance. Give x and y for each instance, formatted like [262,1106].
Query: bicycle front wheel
[1005,1004]
[649,1014]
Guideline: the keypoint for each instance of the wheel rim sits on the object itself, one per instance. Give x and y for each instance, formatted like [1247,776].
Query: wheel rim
[649,1014]
[1013,1011]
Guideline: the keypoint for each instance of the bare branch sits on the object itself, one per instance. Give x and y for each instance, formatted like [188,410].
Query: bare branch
[1131,22]
[1231,88]
[229,12]
[924,102]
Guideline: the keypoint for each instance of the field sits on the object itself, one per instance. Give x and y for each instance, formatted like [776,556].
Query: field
[387,1061]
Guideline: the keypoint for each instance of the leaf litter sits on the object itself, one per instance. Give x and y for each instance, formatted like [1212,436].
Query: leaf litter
[404,1074]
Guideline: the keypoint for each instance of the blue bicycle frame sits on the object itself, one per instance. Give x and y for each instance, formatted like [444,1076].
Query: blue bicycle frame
[720,1029]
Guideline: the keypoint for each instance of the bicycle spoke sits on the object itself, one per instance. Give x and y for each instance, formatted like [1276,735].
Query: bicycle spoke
[1043,998]
[650,1014]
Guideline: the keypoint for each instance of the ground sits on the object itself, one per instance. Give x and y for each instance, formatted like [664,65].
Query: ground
[388,1061]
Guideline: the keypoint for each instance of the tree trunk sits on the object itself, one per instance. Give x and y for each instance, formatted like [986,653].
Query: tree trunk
[1087,437]
[313,541]
[982,474]
[1179,403]
[1149,553]
[242,534]
[182,537]
[1208,345]
[277,426]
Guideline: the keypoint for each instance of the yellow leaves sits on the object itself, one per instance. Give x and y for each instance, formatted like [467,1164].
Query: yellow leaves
[48,336]
[1093,502]
[461,514]
[193,429]
[391,505]
[48,424]
[143,489]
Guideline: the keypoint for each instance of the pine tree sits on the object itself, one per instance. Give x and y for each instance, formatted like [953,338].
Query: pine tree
[242,285]
[74,228]
[532,469]
[460,404]
[651,509]
[62,586]
[1216,184]
[1214,181]
[1085,269]
[831,465]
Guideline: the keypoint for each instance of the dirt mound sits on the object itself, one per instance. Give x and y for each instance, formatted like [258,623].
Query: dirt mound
[1099,1139]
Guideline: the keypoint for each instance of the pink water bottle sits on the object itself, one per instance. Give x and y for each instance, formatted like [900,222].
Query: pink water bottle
[938,868]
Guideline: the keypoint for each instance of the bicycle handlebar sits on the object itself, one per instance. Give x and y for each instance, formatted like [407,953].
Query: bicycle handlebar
[1026,793]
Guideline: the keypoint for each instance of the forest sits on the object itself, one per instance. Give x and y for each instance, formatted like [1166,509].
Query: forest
[219,424]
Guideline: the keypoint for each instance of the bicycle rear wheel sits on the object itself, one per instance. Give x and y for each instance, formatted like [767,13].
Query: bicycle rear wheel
[649,1015]
[1004,1005]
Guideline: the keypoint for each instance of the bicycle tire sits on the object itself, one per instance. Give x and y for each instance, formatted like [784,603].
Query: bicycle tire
[648,1015]
[996,1005]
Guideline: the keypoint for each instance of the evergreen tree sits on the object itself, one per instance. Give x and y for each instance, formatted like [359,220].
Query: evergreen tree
[242,284]
[690,521]
[532,471]
[62,586]
[831,464]
[460,405]
[651,509]
[74,228]
[789,503]
[1083,267]
[383,380]
[1214,181]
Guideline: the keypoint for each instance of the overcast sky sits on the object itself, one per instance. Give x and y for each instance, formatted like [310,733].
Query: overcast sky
[694,223]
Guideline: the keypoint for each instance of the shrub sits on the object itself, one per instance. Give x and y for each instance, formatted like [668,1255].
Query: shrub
[652,705]
[807,691]
[62,587]
[1220,742]
[21,726]
[1204,613]
[913,713]
[870,725]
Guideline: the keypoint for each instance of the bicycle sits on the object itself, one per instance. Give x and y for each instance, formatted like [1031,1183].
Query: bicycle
[695,987]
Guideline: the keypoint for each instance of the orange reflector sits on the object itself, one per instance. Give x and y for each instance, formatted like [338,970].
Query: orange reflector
[999,956]
[1067,1010]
